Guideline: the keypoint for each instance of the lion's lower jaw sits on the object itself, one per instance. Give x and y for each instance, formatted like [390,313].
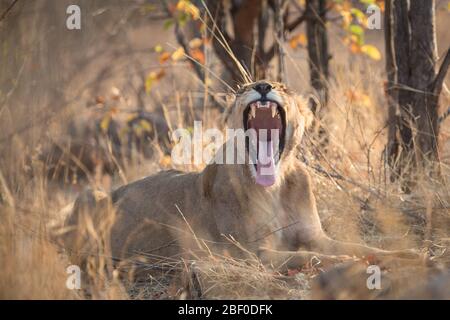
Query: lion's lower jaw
[268,181]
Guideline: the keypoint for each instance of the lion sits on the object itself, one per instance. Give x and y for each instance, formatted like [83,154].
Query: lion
[264,207]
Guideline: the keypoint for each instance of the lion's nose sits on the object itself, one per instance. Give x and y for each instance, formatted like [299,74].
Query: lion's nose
[263,88]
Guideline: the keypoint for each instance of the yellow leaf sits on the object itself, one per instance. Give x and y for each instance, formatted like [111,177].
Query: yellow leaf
[145,125]
[137,131]
[195,43]
[132,116]
[357,97]
[104,124]
[165,161]
[297,40]
[159,48]
[371,51]
[152,78]
[178,54]
[187,7]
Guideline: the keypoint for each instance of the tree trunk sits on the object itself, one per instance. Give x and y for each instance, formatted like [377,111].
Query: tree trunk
[280,7]
[244,16]
[412,89]
[318,55]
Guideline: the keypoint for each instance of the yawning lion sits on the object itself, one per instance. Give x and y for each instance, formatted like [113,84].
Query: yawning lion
[265,206]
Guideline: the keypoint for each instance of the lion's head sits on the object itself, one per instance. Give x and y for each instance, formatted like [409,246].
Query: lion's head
[275,119]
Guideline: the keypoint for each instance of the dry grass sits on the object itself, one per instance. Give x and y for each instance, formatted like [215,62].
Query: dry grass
[357,203]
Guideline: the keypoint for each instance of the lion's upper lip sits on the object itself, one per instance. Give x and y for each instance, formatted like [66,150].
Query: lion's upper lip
[265,100]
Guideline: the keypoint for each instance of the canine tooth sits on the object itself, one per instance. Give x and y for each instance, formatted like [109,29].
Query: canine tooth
[274,111]
[252,111]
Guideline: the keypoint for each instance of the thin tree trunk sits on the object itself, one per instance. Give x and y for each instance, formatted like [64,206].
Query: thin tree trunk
[391,71]
[280,6]
[317,49]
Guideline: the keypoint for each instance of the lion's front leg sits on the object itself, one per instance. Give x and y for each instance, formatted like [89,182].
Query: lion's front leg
[284,260]
[326,245]
[307,231]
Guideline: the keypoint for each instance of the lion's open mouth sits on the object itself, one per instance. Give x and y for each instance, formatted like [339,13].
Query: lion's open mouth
[265,120]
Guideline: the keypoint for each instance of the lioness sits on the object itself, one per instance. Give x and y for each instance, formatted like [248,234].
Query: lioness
[265,206]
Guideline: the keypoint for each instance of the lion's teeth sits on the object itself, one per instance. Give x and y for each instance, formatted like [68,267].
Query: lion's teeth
[252,111]
[258,104]
[274,111]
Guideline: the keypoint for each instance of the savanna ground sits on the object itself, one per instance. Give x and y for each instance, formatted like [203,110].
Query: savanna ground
[52,77]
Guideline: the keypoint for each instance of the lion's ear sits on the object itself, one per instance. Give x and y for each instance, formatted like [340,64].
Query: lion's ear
[229,99]
[304,110]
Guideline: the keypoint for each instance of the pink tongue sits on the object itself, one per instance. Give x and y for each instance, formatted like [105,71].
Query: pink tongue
[265,168]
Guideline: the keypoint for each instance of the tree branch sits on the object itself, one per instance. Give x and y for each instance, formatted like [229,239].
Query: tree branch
[294,24]
[440,77]
[182,41]
[5,13]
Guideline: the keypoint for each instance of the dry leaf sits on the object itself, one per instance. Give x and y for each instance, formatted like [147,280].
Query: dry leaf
[198,55]
[178,54]
[299,39]
[163,57]
[195,43]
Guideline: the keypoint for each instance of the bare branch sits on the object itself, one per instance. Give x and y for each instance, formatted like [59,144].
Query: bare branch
[5,13]
[294,24]
[438,82]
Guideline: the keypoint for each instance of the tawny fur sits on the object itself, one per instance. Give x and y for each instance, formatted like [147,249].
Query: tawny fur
[174,214]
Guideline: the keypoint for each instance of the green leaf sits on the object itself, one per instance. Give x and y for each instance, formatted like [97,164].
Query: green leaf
[358,14]
[168,23]
[158,48]
[356,30]
[183,18]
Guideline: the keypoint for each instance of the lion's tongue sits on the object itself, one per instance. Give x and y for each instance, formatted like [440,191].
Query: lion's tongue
[265,167]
